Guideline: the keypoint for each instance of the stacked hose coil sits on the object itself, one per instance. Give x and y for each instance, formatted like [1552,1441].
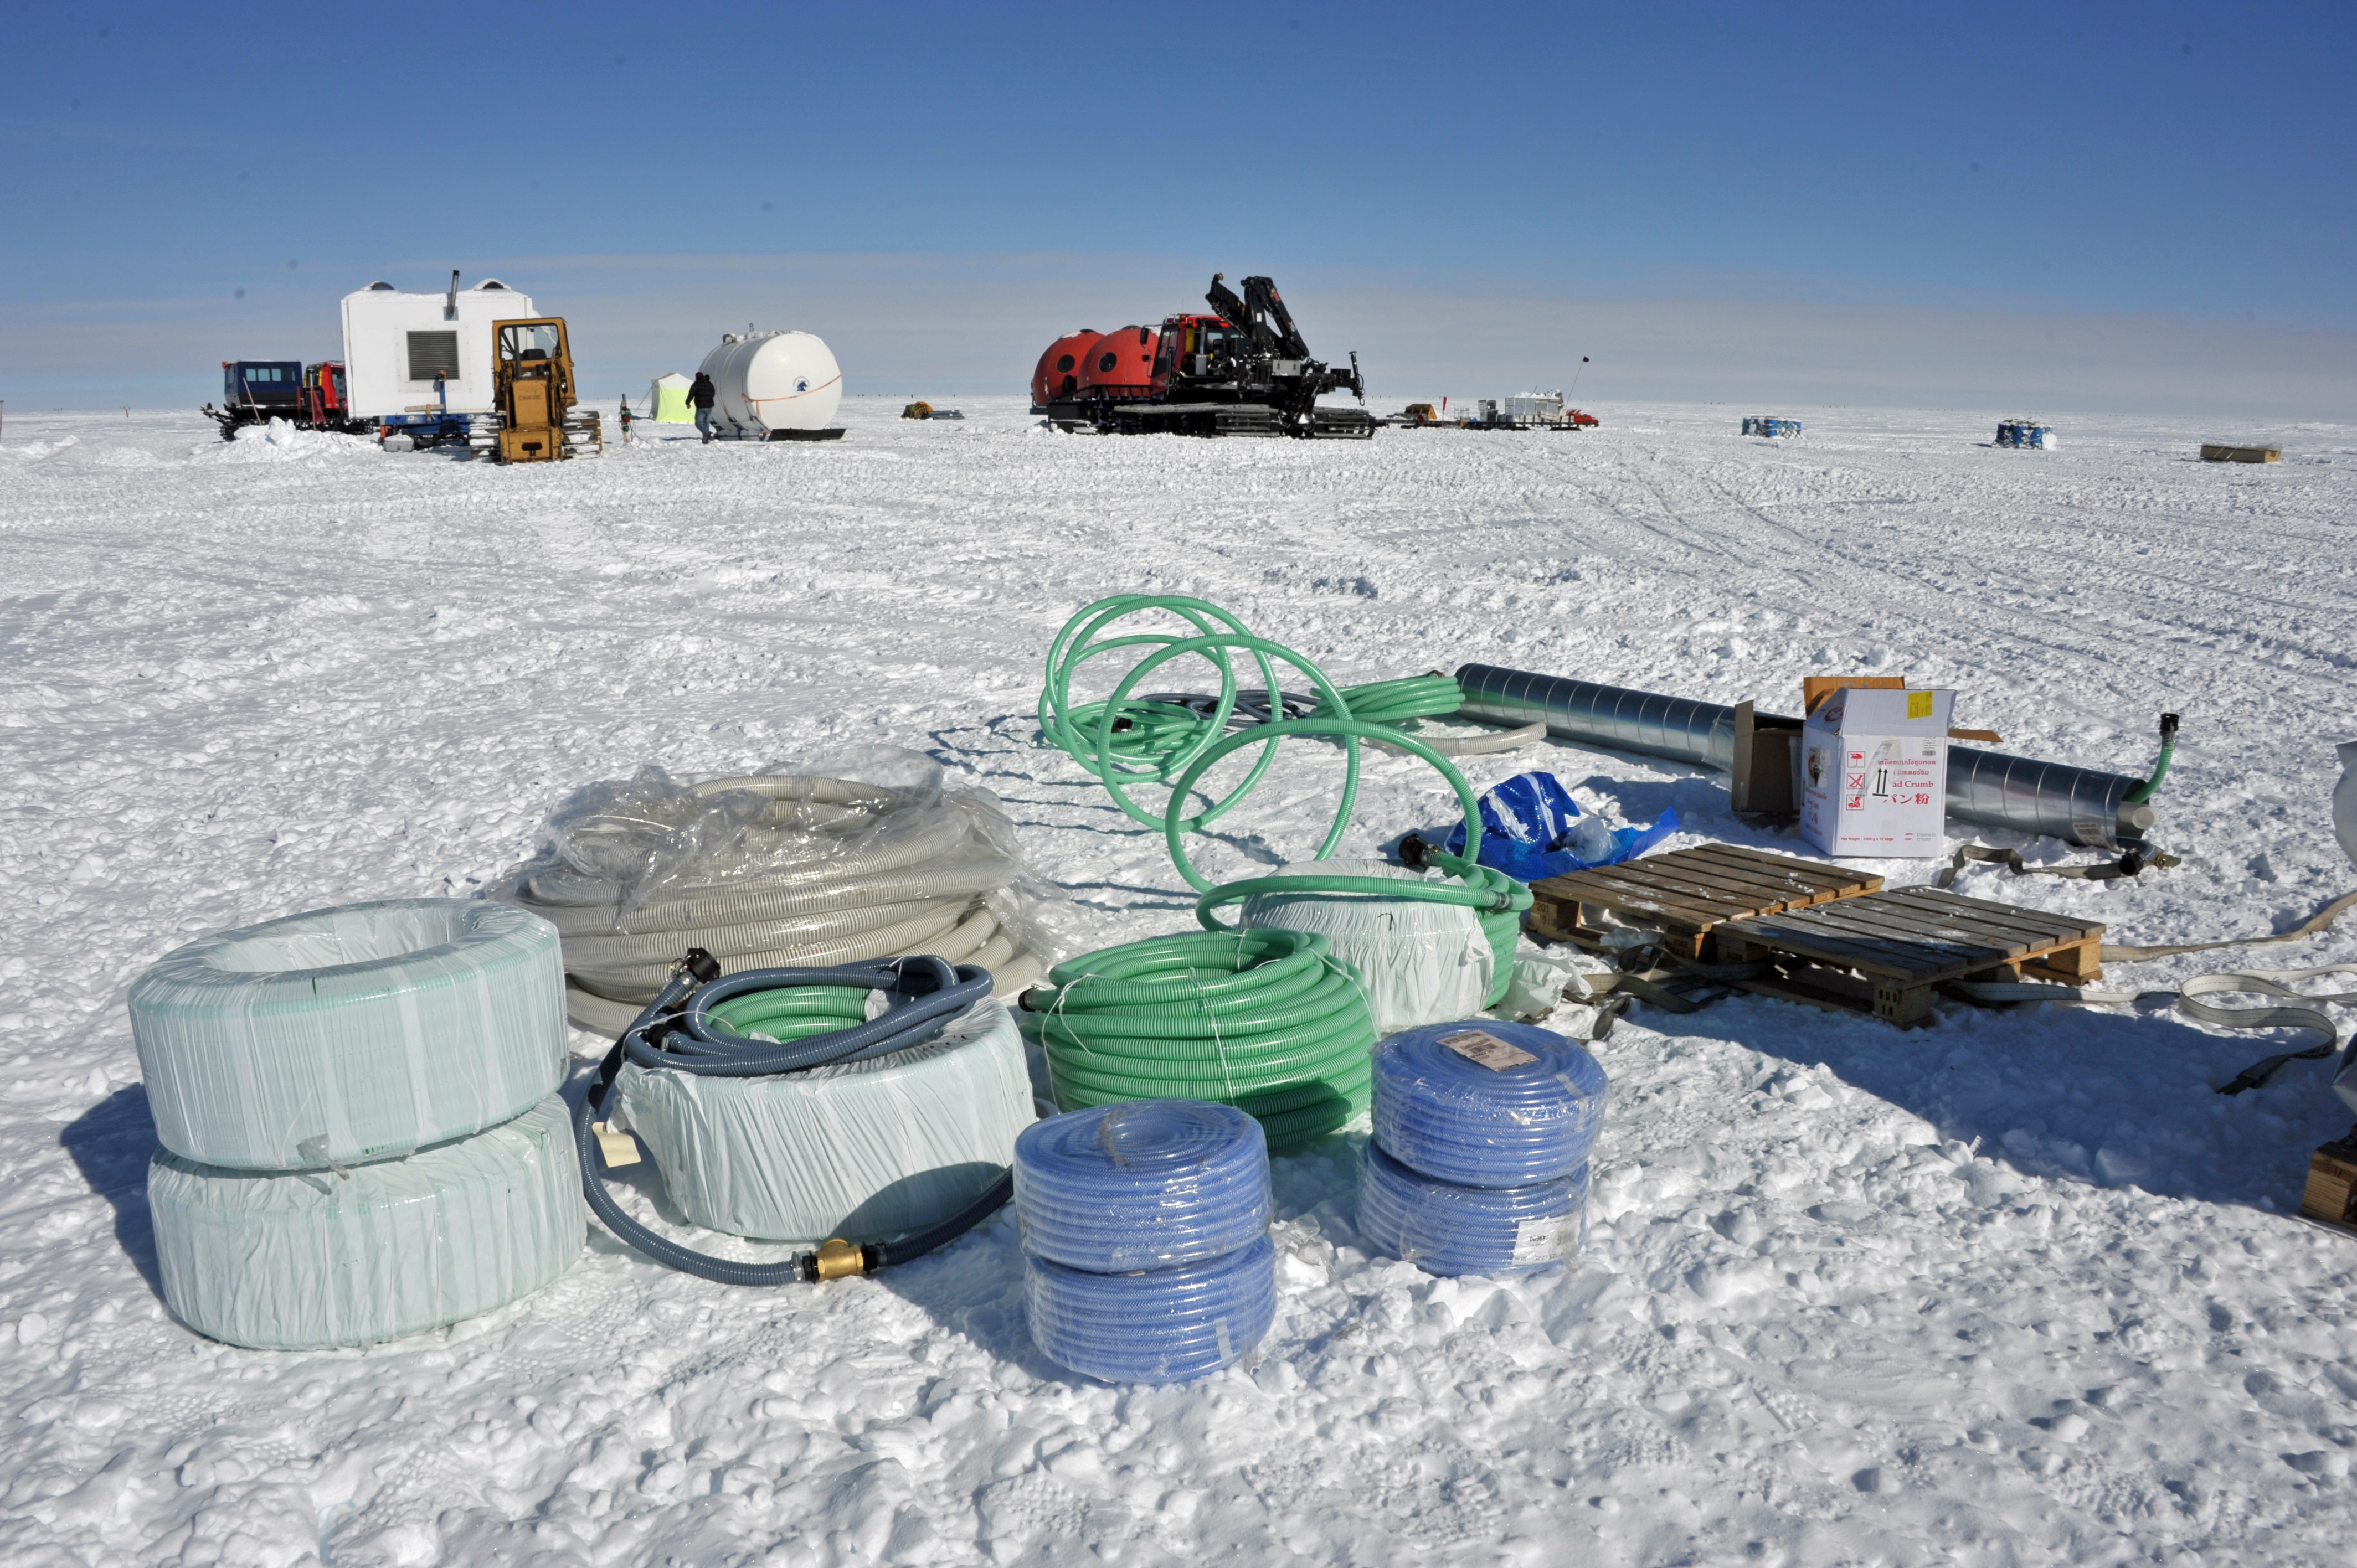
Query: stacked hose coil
[864,1148]
[1129,741]
[1264,1021]
[1417,961]
[1145,1249]
[1478,1159]
[777,1108]
[763,871]
[360,1137]
[1445,1229]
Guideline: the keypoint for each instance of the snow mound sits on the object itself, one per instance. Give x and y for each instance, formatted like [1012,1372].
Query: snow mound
[38,451]
[279,441]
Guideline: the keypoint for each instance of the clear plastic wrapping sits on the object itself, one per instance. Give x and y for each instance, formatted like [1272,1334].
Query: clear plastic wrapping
[1163,1326]
[867,855]
[349,1035]
[1486,1103]
[1417,961]
[866,1151]
[306,1260]
[1446,1229]
[1142,1185]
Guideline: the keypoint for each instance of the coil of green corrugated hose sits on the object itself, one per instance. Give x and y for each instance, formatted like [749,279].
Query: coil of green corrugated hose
[792,1012]
[1160,747]
[1270,1022]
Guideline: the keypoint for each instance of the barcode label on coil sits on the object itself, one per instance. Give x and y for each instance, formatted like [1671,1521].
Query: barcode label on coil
[1488,1050]
[1546,1240]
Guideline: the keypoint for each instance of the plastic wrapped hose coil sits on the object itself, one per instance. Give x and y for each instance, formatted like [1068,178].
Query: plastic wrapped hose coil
[1441,1111]
[863,1150]
[775,871]
[1420,962]
[350,1034]
[1446,1229]
[1145,1185]
[1266,1021]
[307,1260]
[1166,1325]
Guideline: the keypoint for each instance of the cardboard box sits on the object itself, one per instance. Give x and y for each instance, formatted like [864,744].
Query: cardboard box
[1874,773]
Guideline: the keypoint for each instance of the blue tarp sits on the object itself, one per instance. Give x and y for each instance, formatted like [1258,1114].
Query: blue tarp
[1527,828]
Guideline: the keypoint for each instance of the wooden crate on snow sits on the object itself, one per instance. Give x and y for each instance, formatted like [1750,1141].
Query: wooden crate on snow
[1685,895]
[2331,1194]
[1885,955]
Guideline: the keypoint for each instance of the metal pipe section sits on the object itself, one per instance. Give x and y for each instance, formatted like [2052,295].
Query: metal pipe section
[1683,731]
[1989,788]
[2077,805]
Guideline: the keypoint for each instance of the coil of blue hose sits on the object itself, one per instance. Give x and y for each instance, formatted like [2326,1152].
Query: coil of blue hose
[1445,1229]
[1166,1325]
[675,1031]
[1441,1112]
[1145,1183]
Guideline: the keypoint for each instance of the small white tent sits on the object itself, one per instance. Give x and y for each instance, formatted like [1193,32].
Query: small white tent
[667,400]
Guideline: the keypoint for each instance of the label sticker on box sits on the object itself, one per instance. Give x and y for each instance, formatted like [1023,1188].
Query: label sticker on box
[1919,704]
[1486,1049]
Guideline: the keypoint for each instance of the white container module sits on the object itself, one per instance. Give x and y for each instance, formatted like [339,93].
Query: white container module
[395,341]
[773,385]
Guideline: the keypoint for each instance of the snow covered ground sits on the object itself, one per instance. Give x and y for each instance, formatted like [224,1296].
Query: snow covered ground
[2017,1288]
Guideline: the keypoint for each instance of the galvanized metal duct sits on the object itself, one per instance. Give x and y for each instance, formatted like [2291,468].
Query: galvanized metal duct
[1989,788]
[1699,733]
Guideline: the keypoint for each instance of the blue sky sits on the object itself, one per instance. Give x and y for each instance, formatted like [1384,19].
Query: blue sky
[2112,206]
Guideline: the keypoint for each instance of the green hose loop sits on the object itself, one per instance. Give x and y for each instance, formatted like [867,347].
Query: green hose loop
[1268,1021]
[1214,743]
[1350,731]
[792,1012]
[1127,740]
[1161,738]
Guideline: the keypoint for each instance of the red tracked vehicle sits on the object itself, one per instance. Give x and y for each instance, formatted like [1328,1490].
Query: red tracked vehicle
[1244,371]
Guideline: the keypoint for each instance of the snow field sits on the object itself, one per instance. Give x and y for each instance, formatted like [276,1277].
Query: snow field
[2013,1289]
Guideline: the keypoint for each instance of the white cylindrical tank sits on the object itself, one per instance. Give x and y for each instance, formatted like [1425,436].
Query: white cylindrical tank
[772,380]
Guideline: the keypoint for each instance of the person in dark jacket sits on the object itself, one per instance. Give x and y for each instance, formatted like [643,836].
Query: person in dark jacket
[700,396]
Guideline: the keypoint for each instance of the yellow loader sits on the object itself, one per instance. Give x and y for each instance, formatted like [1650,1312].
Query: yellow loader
[534,419]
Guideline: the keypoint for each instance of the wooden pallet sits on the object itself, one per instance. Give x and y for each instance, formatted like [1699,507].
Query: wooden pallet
[2331,1195]
[1686,894]
[1885,955]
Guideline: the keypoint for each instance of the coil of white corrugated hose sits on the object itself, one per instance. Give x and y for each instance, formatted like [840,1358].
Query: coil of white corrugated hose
[827,874]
